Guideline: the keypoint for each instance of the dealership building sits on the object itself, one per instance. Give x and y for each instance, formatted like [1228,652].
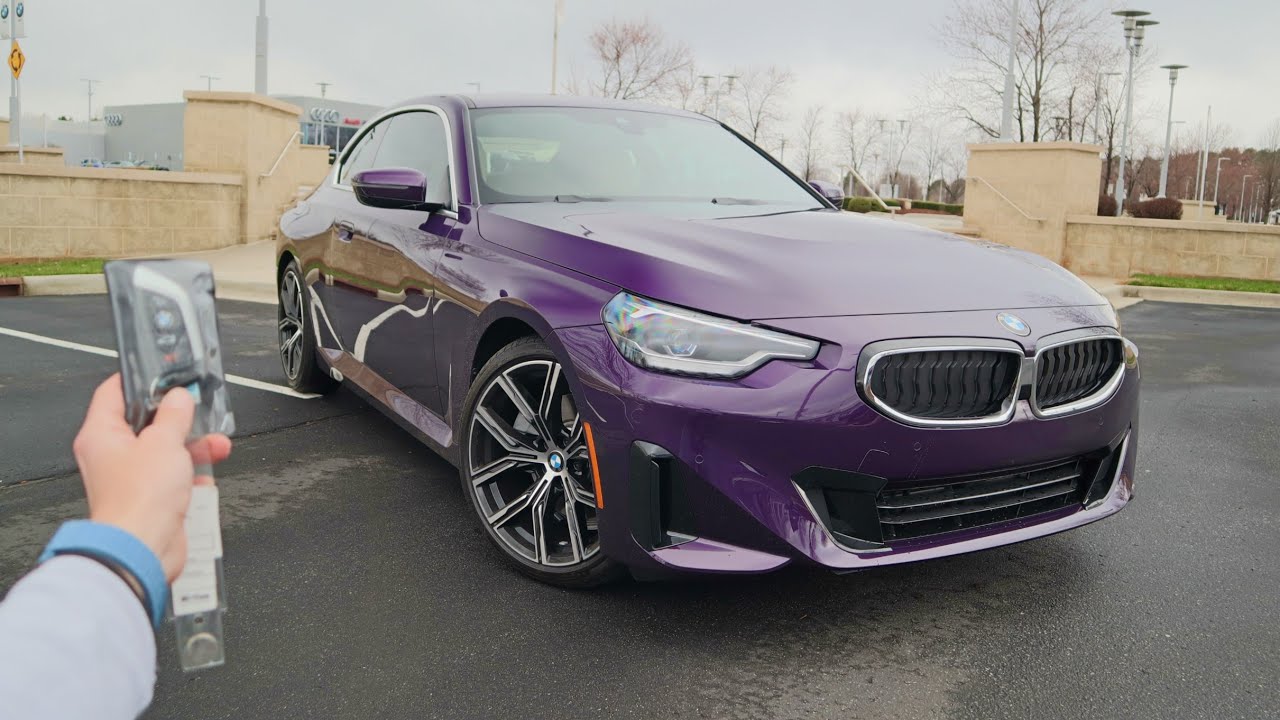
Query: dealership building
[154,132]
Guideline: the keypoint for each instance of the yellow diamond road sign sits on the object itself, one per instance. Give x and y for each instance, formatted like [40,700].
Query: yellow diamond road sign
[16,59]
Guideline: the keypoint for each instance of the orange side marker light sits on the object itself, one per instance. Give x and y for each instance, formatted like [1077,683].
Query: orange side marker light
[595,464]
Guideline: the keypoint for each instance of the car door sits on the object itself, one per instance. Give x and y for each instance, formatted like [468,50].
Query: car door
[386,281]
[336,210]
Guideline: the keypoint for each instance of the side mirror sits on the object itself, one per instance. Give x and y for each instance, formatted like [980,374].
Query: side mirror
[394,188]
[830,191]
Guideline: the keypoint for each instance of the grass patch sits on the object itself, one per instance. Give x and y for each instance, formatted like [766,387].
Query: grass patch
[1206,283]
[64,266]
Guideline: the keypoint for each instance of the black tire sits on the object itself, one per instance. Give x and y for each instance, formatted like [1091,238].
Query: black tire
[299,361]
[563,492]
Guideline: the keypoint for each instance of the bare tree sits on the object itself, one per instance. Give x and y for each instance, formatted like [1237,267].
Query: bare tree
[637,62]
[811,149]
[1267,160]
[858,134]
[758,103]
[932,149]
[1054,38]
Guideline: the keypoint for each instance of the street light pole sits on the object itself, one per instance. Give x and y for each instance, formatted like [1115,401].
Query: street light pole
[209,81]
[555,44]
[89,117]
[1168,131]
[1006,116]
[1134,30]
[1240,206]
[1217,178]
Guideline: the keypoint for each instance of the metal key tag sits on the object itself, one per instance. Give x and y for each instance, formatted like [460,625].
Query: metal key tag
[167,334]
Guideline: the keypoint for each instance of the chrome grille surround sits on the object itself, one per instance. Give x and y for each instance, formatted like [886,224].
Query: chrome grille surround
[1107,382]
[875,353]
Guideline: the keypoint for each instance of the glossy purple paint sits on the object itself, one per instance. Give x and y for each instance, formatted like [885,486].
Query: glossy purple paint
[393,188]
[441,280]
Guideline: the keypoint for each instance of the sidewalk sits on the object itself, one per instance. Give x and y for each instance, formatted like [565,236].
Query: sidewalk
[242,272]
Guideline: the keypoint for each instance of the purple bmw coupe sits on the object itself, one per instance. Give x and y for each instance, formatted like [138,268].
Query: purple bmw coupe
[647,345]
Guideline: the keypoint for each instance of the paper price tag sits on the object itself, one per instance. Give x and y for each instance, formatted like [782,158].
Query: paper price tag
[196,589]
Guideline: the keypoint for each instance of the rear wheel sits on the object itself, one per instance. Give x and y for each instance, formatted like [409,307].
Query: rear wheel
[527,470]
[297,338]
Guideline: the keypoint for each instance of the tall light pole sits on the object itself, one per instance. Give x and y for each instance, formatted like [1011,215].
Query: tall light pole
[1134,31]
[324,87]
[1168,131]
[260,51]
[1097,106]
[1006,116]
[209,81]
[1240,206]
[1217,178]
[555,44]
[88,118]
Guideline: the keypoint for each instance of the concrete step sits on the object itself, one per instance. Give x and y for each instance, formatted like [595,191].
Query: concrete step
[969,231]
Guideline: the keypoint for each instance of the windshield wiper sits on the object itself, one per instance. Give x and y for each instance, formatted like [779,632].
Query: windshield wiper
[580,198]
[738,201]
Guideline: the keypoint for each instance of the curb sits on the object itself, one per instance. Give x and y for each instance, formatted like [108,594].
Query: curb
[1204,297]
[96,284]
[90,284]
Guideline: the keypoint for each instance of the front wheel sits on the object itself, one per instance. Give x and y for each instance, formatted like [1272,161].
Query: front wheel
[527,470]
[297,338]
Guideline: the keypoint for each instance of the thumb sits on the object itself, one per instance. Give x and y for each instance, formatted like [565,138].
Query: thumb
[174,416]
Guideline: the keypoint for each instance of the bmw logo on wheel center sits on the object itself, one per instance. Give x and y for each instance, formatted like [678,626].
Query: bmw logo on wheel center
[1014,324]
[556,461]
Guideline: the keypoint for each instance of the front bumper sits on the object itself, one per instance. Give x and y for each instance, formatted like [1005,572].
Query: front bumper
[738,447]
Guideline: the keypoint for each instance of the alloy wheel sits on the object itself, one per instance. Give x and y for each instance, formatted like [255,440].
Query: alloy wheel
[291,324]
[529,466]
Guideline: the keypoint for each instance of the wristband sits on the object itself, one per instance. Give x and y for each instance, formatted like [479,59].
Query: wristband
[115,547]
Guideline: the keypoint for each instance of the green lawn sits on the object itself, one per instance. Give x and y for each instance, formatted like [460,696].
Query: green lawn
[68,266]
[1206,283]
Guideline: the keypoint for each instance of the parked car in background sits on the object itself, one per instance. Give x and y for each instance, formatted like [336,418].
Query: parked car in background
[646,344]
[91,162]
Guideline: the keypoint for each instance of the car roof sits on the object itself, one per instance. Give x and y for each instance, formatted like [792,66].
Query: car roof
[504,100]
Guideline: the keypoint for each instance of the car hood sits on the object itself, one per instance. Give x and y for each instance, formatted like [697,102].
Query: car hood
[782,265]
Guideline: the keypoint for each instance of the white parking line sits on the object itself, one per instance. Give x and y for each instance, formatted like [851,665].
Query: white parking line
[105,352]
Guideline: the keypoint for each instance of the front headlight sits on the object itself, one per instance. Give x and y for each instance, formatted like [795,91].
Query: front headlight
[671,339]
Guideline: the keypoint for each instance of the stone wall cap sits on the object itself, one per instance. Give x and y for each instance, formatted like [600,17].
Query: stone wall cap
[37,150]
[1190,225]
[241,97]
[120,174]
[1020,146]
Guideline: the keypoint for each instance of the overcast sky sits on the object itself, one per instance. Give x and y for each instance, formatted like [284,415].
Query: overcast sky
[844,53]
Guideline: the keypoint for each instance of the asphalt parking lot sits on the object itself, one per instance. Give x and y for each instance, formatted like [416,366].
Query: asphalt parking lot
[360,585]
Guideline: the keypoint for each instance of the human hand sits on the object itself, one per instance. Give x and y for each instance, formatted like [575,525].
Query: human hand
[142,483]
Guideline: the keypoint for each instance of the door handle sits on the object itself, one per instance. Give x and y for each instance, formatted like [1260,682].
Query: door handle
[345,230]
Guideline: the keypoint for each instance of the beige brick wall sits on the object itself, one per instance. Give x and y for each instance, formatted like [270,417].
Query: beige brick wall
[33,155]
[1046,181]
[245,134]
[1120,247]
[89,212]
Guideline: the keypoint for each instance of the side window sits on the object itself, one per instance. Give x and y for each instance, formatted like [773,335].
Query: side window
[362,155]
[418,140]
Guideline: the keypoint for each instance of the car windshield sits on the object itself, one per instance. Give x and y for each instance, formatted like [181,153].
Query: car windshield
[536,154]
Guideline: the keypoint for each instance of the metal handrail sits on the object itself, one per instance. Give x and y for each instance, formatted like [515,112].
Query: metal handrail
[297,135]
[1012,204]
[887,208]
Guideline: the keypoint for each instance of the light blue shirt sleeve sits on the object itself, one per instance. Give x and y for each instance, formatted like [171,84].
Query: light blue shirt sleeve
[75,643]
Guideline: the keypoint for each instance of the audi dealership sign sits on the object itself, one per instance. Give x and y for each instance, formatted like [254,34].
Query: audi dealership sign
[113,119]
[324,115]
